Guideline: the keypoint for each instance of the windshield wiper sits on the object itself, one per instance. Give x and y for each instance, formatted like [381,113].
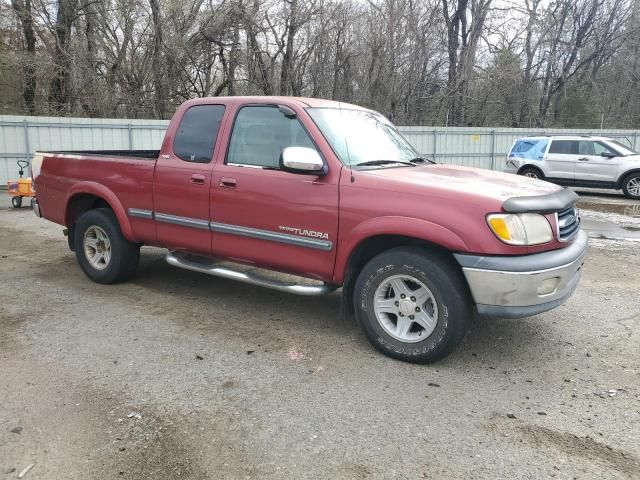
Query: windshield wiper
[421,160]
[383,162]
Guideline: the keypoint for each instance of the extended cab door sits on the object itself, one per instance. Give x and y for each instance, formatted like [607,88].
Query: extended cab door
[561,158]
[263,215]
[183,177]
[596,162]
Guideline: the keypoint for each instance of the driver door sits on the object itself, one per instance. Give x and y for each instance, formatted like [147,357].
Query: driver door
[263,215]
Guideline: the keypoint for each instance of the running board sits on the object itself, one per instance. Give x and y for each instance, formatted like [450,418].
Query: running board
[188,262]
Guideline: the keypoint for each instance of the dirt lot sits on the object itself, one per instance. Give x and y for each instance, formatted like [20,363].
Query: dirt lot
[179,375]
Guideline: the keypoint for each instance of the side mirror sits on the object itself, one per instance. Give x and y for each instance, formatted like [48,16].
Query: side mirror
[608,155]
[302,160]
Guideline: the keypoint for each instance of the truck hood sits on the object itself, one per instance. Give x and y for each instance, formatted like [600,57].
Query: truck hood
[471,181]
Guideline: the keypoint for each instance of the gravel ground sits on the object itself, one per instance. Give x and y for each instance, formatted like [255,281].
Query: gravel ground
[180,375]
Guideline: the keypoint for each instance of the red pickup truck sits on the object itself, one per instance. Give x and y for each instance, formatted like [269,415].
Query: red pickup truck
[333,194]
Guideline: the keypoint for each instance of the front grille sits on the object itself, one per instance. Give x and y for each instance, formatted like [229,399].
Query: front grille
[568,223]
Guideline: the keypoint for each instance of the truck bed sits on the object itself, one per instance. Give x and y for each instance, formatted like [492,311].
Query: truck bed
[124,177]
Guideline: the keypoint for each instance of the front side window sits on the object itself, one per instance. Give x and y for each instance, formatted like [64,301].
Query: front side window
[590,147]
[564,147]
[599,148]
[197,133]
[261,133]
[360,136]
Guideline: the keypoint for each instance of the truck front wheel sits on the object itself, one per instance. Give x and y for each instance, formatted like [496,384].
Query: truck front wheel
[412,305]
[103,253]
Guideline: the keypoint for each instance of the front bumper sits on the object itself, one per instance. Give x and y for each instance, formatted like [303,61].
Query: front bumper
[521,286]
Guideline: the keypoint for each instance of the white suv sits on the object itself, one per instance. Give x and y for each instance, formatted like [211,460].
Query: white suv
[596,162]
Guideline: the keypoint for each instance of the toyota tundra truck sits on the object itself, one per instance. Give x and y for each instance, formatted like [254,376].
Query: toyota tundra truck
[248,188]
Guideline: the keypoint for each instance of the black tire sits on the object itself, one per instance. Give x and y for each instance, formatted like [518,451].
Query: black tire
[629,185]
[440,275]
[531,173]
[16,202]
[125,255]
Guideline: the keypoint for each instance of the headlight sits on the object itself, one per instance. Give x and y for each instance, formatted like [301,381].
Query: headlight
[521,228]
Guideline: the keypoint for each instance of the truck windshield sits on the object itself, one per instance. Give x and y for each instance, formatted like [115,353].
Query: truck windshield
[361,137]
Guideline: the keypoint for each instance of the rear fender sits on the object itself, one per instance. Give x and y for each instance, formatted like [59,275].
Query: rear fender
[403,226]
[99,190]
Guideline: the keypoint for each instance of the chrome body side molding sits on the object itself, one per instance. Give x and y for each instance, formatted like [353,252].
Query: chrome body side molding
[182,221]
[272,236]
[296,240]
[140,213]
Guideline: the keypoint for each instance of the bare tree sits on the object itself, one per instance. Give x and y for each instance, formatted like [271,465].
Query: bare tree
[25,16]
[455,62]
[59,93]
[157,64]
[465,21]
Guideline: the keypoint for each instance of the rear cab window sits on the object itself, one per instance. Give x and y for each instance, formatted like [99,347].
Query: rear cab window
[529,148]
[197,132]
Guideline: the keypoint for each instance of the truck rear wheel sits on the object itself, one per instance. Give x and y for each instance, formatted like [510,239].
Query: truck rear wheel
[103,253]
[412,305]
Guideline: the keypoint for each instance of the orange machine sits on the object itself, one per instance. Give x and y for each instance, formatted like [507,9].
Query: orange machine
[20,188]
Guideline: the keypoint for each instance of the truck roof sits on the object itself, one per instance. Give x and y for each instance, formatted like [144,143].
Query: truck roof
[301,101]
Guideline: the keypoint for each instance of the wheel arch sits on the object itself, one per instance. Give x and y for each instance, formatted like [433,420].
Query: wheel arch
[378,237]
[528,166]
[624,176]
[86,196]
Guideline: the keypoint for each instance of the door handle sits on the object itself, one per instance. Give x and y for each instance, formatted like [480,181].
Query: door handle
[197,179]
[227,182]
[583,159]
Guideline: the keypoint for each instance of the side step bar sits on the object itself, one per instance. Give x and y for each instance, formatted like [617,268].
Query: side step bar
[189,262]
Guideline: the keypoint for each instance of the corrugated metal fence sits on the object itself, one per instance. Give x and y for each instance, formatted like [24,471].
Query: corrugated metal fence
[488,147]
[476,147]
[21,136]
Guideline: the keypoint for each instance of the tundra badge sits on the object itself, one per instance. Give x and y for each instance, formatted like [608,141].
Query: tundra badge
[304,232]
